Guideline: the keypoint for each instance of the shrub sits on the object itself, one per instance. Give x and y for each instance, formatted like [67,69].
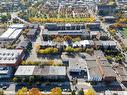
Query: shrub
[69,49]
[48,51]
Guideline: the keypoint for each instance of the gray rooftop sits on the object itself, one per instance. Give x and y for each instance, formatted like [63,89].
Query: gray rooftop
[77,64]
[93,68]
[50,70]
[23,44]
[64,32]
[109,43]
[32,32]
[123,73]
[100,54]
[41,70]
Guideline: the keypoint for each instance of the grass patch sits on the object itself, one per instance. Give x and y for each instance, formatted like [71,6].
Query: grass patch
[124,32]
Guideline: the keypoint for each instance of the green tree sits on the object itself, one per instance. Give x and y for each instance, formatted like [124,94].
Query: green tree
[109,58]
[81,92]
[73,92]
[31,79]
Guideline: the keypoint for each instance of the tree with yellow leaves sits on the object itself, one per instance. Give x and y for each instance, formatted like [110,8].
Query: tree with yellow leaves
[65,20]
[90,92]
[22,91]
[34,91]
[112,31]
[67,38]
[56,91]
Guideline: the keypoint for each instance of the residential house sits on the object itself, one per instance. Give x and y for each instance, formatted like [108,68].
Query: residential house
[106,9]
[109,19]
[109,44]
[74,30]
[103,36]
[93,26]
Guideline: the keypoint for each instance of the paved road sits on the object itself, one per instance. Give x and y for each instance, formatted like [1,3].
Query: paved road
[15,16]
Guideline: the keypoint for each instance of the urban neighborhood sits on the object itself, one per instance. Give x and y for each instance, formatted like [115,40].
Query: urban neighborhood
[63,47]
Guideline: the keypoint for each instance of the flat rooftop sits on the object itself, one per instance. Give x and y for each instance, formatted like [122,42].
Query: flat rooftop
[77,64]
[64,32]
[9,56]
[12,32]
[100,54]
[50,70]
[24,70]
[93,68]
[123,73]
[41,70]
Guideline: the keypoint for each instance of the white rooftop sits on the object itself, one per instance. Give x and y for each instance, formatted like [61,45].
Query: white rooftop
[84,42]
[12,32]
[16,26]
[7,33]
[81,43]
[109,43]
[25,70]
[116,92]
[9,56]
[16,33]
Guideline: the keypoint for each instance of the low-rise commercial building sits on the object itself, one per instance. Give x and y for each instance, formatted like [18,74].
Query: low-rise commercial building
[77,67]
[93,71]
[93,26]
[9,57]
[98,68]
[34,29]
[109,19]
[47,72]
[11,35]
[5,72]
[25,44]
